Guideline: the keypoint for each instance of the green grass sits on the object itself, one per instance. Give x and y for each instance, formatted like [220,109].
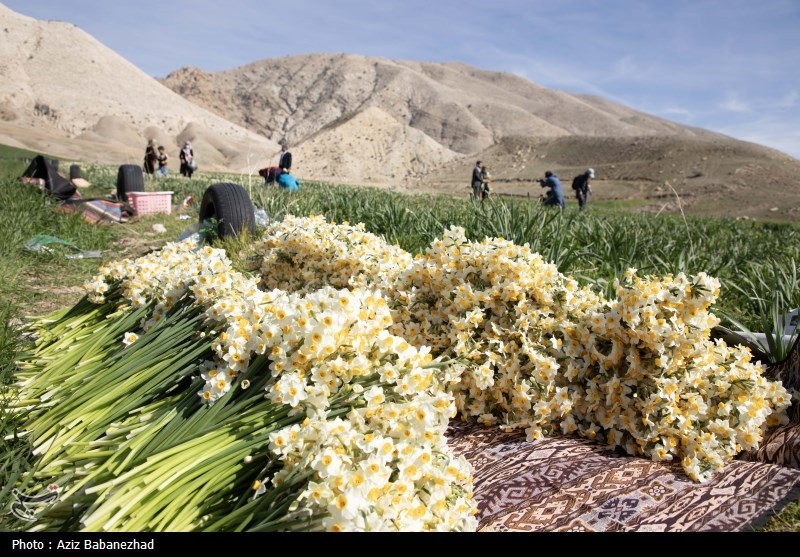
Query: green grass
[757,263]
[786,520]
[752,259]
[24,213]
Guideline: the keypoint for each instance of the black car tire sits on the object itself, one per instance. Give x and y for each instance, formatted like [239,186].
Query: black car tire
[129,178]
[230,205]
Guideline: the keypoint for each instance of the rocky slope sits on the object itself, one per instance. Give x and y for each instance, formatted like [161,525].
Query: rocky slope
[410,126]
[59,81]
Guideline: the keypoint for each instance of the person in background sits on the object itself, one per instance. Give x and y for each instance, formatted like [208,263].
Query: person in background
[163,161]
[583,187]
[486,179]
[289,182]
[285,159]
[270,174]
[477,180]
[555,194]
[150,158]
[187,160]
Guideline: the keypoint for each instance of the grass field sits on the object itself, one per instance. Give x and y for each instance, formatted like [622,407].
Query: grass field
[757,263]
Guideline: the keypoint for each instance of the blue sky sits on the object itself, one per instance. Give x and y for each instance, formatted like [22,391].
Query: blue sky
[731,66]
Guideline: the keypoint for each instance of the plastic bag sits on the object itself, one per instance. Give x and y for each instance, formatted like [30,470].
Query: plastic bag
[262,219]
[41,244]
[193,233]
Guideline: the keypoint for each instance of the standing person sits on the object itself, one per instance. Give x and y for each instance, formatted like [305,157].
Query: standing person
[187,160]
[583,187]
[555,193]
[486,179]
[163,161]
[285,159]
[150,158]
[477,180]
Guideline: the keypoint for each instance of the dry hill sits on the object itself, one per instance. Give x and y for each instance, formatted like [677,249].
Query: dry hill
[719,176]
[420,127]
[63,92]
[462,108]
[412,126]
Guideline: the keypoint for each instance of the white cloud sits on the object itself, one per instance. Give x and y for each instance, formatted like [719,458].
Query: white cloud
[624,67]
[789,100]
[684,113]
[734,104]
[770,131]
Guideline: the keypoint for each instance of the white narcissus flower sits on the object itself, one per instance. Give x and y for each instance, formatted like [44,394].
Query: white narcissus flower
[340,313]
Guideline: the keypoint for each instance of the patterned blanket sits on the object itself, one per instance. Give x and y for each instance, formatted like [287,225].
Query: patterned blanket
[100,211]
[573,484]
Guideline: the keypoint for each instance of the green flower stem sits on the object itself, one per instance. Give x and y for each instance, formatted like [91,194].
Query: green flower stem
[264,508]
[218,455]
[127,386]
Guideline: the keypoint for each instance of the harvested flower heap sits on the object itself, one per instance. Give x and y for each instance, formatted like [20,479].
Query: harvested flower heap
[184,395]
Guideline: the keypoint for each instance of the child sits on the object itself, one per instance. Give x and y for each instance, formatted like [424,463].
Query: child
[163,170]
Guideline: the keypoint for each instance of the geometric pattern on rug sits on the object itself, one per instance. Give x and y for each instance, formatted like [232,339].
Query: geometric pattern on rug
[564,483]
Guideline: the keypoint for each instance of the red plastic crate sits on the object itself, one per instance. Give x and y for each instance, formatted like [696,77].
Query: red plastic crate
[150,203]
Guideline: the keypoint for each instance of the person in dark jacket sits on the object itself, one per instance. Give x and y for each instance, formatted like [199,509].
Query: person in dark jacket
[477,180]
[285,159]
[555,194]
[150,158]
[583,187]
[486,178]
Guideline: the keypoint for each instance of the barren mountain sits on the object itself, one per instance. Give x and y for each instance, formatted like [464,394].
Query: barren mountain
[344,115]
[413,126]
[84,100]
[460,107]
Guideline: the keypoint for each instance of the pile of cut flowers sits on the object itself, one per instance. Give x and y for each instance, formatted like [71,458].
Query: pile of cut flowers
[183,395]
